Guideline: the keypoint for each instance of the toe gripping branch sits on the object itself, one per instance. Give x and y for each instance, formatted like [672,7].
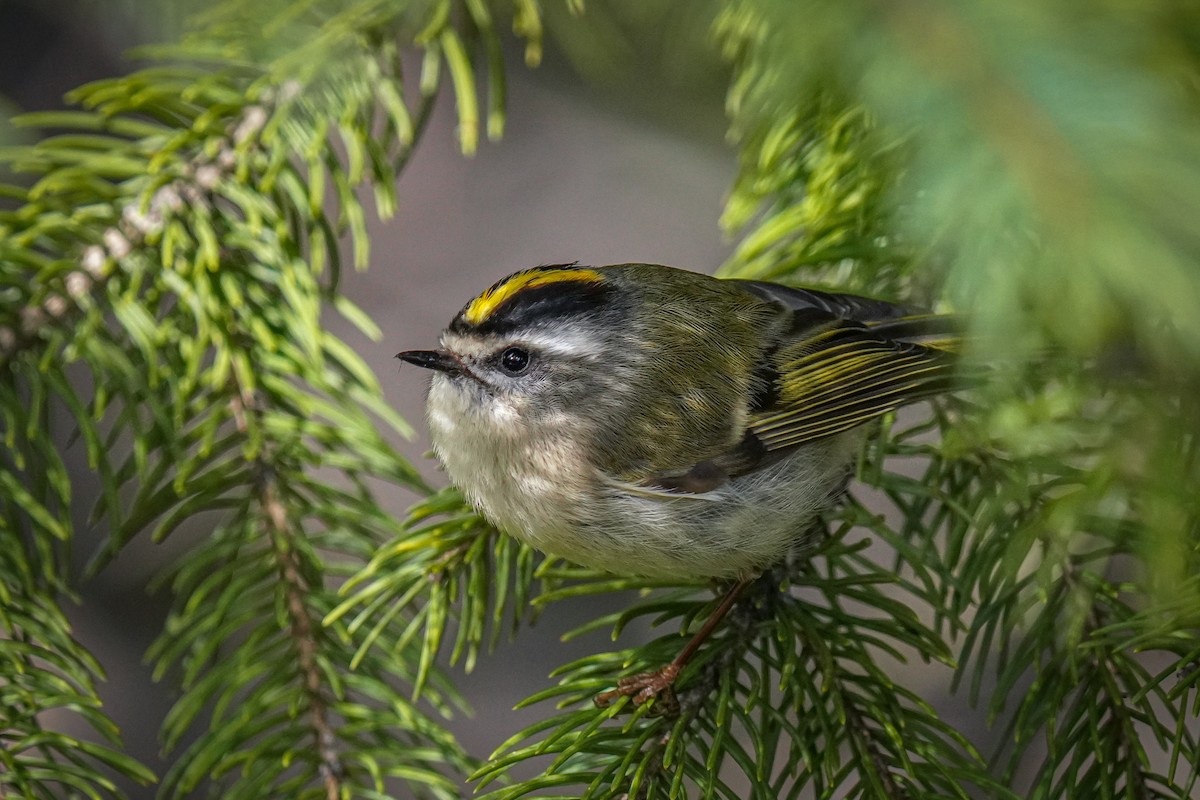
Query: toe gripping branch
[660,683]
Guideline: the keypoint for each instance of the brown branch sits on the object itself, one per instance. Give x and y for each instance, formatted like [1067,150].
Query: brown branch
[300,621]
[302,632]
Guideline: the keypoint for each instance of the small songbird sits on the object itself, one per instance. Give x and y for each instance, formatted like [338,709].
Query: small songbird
[648,420]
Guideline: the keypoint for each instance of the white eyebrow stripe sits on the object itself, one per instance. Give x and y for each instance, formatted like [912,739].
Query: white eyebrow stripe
[573,344]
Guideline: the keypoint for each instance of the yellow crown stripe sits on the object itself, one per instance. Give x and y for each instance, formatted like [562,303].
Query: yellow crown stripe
[482,307]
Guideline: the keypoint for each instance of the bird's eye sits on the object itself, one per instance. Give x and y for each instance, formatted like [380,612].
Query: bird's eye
[514,360]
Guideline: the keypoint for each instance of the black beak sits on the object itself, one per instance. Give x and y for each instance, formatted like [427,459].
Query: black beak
[432,359]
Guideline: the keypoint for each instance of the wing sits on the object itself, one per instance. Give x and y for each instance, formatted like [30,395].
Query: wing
[842,373]
[842,361]
[698,480]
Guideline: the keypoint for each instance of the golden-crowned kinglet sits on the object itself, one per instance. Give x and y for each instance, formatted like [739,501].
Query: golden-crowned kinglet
[648,420]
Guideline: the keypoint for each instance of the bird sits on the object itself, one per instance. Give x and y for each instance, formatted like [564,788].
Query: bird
[649,420]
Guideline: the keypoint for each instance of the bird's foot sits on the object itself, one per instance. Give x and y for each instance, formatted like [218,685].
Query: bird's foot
[657,685]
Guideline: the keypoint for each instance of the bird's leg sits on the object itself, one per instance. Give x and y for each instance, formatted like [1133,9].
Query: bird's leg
[649,685]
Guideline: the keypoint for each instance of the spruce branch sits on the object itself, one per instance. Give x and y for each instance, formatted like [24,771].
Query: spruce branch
[449,571]
[784,664]
[43,669]
[46,671]
[301,626]
[1059,468]
[178,241]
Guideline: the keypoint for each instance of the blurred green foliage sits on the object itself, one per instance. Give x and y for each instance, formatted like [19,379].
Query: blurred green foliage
[1031,164]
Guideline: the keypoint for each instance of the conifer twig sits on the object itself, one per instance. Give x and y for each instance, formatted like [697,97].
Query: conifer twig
[301,628]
